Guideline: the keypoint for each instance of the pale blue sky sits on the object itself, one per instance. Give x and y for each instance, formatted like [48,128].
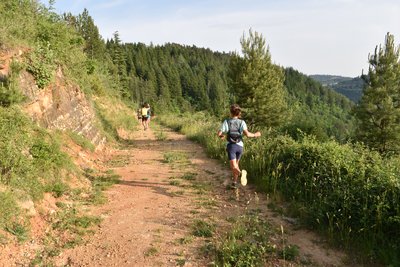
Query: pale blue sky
[313,36]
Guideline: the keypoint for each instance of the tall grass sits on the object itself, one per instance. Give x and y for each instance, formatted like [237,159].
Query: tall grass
[114,115]
[347,191]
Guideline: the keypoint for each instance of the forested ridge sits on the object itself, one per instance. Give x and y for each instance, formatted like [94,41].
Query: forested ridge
[334,162]
[187,78]
[350,87]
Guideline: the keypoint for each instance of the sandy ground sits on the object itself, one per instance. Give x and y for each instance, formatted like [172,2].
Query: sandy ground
[148,213]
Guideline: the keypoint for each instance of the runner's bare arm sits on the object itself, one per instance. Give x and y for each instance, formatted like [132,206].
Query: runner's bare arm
[249,134]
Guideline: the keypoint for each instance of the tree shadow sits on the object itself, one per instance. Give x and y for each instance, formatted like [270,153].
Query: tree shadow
[157,187]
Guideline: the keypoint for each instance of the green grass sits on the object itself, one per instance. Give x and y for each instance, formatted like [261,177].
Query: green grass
[289,252]
[72,225]
[81,141]
[346,191]
[160,135]
[118,161]
[246,243]
[19,230]
[58,188]
[185,240]
[180,262]
[208,203]
[203,229]
[201,187]
[8,208]
[175,157]
[152,251]
[175,182]
[190,176]
[100,182]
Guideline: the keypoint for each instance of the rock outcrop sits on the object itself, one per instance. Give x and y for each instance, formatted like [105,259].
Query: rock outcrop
[61,105]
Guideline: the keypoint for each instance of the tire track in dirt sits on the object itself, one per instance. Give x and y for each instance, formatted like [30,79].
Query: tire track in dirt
[147,214]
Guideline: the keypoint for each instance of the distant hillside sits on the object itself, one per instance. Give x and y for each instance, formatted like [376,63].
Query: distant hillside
[350,87]
[319,110]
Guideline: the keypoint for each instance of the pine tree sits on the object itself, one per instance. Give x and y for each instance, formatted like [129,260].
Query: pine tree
[379,110]
[257,83]
[95,46]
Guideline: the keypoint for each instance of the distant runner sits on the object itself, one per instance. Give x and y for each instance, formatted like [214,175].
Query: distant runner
[233,129]
[145,115]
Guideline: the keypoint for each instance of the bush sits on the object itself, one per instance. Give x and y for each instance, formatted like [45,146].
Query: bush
[41,64]
[348,191]
[30,158]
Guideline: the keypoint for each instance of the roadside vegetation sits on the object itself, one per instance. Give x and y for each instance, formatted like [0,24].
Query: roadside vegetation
[346,191]
[310,153]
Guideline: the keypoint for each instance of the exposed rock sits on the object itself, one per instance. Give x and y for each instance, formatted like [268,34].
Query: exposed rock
[60,106]
[28,206]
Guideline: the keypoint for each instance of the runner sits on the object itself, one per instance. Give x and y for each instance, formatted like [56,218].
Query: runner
[145,115]
[232,129]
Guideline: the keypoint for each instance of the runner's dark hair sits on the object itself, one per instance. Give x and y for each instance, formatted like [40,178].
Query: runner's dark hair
[235,110]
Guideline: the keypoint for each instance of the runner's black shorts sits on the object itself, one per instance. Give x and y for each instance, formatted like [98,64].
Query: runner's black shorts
[234,151]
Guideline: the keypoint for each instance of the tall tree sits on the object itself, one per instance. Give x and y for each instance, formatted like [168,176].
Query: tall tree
[257,83]
[95,46]
[379,110]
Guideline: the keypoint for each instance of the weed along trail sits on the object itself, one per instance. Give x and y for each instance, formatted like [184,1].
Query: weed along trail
[171,208]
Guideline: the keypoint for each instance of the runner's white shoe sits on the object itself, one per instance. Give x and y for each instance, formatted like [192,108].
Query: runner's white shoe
[243,177]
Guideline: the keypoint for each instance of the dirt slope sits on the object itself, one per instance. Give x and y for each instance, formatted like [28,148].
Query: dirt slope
[150,214]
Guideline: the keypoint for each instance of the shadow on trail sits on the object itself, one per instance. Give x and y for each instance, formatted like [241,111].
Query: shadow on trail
[159,188]
[156,145]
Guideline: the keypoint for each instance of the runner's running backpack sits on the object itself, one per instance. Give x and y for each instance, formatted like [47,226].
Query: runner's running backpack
[234,131]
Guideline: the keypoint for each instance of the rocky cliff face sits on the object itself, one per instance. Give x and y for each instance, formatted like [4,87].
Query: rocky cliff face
[61,105]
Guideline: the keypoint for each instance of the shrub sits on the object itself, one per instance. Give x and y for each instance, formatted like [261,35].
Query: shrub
[41,64]
[346,190]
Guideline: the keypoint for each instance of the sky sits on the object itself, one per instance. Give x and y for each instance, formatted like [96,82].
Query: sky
[313,36]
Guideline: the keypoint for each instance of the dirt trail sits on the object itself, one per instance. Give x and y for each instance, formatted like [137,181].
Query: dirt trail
[151,211]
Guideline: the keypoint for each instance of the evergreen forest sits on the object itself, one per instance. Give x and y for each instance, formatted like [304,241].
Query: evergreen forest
[336,163]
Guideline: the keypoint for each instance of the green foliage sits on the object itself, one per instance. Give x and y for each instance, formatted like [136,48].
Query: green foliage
[58,188]
[203,229]
[73,226]
[30,158]
[257,83]
[379,111]
[245,244]
[8,208]
[152,251]
[290,252]
[9,91]
[81,141]
[20,230]
[189,176]
[41,64]
[174,157]
[100,182]
[113,116]
[350,87]
[347,190]
[316,110]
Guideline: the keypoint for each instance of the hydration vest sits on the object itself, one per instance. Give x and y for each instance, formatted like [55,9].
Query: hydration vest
[234,131]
